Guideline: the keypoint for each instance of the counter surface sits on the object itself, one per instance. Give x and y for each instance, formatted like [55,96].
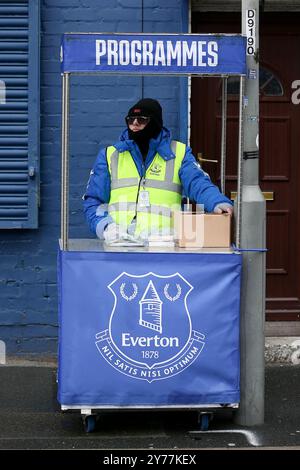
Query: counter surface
[87,244]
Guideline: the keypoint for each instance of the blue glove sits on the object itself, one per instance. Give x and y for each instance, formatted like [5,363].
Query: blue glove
[223,207]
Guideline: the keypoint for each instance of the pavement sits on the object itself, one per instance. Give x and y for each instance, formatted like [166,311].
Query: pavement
[31,418]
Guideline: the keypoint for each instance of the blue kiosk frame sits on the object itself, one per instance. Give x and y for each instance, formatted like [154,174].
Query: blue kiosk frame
[145,327]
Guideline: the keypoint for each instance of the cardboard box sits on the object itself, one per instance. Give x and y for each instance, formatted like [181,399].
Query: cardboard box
[198,230]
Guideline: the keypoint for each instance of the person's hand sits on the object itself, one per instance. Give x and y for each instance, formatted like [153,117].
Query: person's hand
[113,232]
[223,207]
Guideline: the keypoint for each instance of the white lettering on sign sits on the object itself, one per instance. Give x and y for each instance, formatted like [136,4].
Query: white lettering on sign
[156,341]
[250,31]
[100,50]
[136,56]
[157,53]
[173,52]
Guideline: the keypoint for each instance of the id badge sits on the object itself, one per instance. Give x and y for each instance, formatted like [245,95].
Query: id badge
[144,199]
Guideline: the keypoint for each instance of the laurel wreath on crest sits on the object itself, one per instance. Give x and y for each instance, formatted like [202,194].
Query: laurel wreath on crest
[176,297]
[132,296]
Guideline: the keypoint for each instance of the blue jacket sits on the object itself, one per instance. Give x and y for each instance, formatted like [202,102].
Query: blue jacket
[195,182]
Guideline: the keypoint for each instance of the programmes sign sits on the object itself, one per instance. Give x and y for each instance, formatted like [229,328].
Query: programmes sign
[154,54]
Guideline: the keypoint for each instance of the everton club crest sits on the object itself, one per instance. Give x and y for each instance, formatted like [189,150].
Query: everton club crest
[150,335]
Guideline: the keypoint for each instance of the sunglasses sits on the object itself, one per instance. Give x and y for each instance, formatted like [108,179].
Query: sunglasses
[140,119]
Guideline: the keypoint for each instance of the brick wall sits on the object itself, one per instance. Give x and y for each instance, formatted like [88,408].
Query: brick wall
[28,291]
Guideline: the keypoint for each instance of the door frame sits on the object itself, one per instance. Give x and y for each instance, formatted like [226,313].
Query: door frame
[276,327]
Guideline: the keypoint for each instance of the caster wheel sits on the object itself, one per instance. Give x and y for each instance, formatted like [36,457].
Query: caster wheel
[89,423]
[204,420]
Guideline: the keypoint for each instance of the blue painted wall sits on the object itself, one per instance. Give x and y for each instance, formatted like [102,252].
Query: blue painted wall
[28,291]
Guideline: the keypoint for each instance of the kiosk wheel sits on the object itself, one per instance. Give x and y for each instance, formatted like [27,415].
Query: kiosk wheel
[204,419]
[89,423]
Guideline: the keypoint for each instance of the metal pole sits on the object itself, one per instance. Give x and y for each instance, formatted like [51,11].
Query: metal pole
[251,410]
[238,207]
[65,162]
[223,135]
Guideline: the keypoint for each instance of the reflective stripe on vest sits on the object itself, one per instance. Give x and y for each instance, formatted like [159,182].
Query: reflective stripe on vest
[161,182]
[130,206]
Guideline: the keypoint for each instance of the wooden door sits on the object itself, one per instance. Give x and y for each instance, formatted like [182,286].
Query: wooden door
[279,145]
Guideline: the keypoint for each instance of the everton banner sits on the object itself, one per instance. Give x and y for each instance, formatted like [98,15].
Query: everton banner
[154,54]
[141,329]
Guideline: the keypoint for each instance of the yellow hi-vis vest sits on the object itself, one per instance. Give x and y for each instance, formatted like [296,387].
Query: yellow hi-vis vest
[161,182]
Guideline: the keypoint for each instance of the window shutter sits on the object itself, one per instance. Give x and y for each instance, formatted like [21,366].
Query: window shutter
[19,114]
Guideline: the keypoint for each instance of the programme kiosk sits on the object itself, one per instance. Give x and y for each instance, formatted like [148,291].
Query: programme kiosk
[149,328]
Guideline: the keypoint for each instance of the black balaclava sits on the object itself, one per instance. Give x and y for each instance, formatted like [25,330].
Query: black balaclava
[150,108]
